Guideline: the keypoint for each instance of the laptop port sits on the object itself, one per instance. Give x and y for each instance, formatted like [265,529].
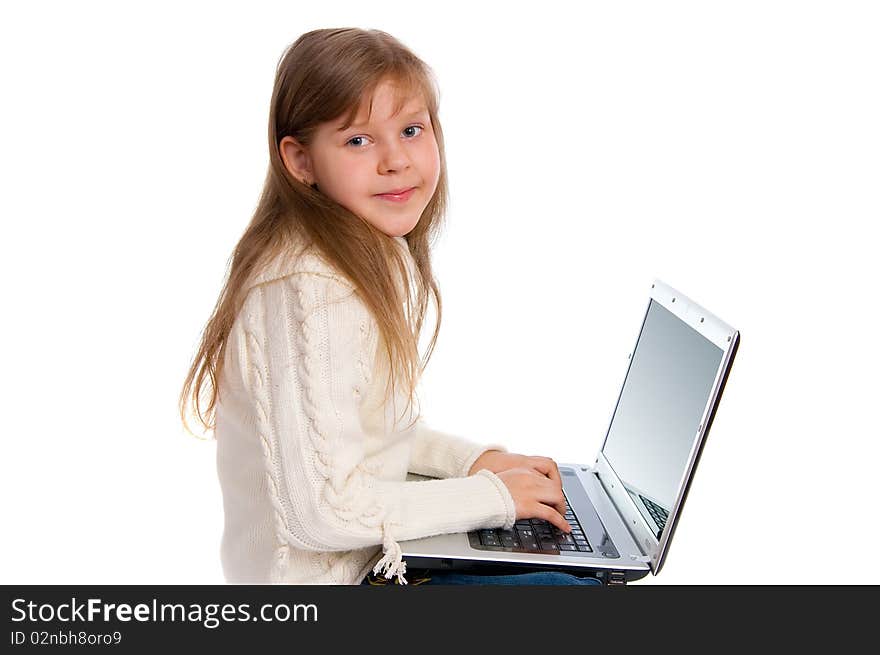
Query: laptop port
[616,578]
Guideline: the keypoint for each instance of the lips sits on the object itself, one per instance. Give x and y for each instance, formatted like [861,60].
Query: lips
[396,192]
[397,198]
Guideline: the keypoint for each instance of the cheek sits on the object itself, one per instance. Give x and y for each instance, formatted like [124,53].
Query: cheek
[343,176]
[431,165]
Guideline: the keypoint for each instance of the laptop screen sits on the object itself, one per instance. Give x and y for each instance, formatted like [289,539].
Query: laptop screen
[657,418]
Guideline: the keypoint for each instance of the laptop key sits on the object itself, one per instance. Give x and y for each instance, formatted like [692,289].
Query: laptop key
[489,540]
[567,547]
[528,541]
[507,540]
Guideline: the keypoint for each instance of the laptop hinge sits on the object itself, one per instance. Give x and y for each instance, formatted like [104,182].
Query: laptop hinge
[641,558]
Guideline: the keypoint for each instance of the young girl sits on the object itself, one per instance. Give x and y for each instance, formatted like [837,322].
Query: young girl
[313,343]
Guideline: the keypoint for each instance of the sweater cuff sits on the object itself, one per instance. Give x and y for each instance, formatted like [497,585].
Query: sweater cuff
[509,503]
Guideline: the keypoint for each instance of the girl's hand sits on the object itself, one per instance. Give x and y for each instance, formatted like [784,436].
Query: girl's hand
[498,462]
[535,496]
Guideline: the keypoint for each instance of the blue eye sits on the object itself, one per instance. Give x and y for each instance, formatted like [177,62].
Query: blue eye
[411,127]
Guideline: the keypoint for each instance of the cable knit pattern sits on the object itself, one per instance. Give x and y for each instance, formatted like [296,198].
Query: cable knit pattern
[261,401]
[313,472]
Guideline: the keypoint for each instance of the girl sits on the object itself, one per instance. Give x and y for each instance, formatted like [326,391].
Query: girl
[314,338]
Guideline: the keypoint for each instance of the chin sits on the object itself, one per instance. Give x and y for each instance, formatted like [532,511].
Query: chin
[396,230]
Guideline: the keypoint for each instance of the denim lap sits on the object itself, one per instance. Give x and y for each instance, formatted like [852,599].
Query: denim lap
[535,578]
[456,578]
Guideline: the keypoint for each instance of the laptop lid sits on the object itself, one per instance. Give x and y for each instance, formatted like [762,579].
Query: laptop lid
[673,384]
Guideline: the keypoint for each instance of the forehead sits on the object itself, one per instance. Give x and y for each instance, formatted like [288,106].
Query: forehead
[389,99]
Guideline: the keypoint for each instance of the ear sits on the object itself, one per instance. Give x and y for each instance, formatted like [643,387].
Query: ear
[296,160]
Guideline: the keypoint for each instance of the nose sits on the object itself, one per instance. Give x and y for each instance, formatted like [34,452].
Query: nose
[393,158]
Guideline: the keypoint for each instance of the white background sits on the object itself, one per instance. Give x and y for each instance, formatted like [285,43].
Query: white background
[729,149]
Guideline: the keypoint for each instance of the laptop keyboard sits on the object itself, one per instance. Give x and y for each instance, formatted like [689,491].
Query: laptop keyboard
[657,513]
[537,535]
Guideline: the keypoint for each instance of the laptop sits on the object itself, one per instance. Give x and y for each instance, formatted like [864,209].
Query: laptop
[623,508]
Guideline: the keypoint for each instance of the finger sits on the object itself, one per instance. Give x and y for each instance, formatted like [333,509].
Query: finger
[559,504]
[553,471]
[561,508]
[548,492]
[553,499]
[546,466]
[557,479]
[552,516]
[553,494]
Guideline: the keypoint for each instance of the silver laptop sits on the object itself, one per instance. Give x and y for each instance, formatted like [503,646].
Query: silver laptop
[623,508]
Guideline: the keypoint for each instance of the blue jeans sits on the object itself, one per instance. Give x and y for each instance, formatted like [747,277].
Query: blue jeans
[424,576]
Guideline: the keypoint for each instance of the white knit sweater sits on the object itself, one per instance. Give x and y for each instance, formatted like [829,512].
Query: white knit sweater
[312,467]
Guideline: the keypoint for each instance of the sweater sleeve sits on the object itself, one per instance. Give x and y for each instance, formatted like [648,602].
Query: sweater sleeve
[442,455]
[305,336]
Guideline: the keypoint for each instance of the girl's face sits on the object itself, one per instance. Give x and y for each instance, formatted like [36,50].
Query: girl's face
[356,166]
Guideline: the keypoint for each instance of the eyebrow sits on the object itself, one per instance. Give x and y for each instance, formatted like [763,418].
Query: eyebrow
[421,110]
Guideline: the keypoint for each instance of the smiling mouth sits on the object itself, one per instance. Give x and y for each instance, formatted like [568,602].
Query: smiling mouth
[397,197]
[399,192]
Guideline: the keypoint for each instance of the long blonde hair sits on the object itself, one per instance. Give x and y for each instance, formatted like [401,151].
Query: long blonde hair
[320,76]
